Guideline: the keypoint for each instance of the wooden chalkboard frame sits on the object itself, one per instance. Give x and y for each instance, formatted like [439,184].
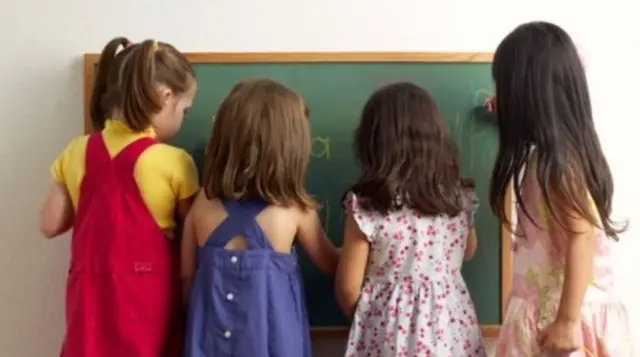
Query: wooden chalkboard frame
[91,59]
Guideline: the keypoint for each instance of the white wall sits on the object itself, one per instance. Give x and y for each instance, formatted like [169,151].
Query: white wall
[41,98]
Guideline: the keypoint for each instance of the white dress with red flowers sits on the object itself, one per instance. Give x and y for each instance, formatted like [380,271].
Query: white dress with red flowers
[414,301]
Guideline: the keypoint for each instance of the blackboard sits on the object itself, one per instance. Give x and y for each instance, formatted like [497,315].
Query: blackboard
[335,87]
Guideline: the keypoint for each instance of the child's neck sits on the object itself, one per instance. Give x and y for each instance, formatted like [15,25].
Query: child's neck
[117,114]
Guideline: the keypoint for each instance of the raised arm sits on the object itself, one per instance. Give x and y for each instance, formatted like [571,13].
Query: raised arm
[315,243]
[352,266]
[471,205]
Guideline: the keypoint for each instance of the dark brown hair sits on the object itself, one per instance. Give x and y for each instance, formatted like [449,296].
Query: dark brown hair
[544,112]
[128,80]
[260,146]
[405,154]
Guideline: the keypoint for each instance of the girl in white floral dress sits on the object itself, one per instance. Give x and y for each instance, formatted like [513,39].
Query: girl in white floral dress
[408,228]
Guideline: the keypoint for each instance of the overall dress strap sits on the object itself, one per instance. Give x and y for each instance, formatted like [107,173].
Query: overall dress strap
[240,220]
[121,271]
[252,231]
[97,169]
[97,155]
[96,164]
[125,160]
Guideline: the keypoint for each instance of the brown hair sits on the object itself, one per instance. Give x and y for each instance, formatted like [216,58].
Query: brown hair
[128,80]
[405,154]
[260,146]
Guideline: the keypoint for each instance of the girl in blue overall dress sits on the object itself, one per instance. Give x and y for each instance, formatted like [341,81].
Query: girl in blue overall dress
[242,281]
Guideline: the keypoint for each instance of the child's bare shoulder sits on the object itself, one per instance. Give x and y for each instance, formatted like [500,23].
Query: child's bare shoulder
[291,214]
[204,205]
[285,220]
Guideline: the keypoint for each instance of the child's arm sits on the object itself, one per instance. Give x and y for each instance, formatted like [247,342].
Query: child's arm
[564,333]
[471,205]
[472,245]
[185,184]
[315,243]
[184,206]
[578,267]
[57,213]
[490,104]
[352,266]
[188,253]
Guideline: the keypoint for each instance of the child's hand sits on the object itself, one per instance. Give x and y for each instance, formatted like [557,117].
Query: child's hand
[467,183]
[563,336]
[490,104]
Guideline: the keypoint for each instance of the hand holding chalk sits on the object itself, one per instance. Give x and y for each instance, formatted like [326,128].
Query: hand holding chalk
[490,104]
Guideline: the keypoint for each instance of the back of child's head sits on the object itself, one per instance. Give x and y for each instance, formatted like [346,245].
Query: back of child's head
[544,111]
[129,81]
[260,146]
[405,154]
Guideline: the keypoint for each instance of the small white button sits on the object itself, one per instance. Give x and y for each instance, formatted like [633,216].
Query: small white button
[229,296]
[234,259]
[227,334]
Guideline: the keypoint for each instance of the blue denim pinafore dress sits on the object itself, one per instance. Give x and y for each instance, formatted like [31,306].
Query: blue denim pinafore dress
[246,303]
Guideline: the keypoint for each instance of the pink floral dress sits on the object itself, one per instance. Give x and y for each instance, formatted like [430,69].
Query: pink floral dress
[538,271]
[414,301]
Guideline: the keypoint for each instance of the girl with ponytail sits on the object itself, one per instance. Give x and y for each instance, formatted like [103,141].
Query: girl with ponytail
[118,190]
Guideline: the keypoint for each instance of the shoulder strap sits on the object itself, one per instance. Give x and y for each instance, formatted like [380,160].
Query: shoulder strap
[96,158]
[247,209]
[97,162]
[126,159]
[251,229]
[253,207]
[240,220]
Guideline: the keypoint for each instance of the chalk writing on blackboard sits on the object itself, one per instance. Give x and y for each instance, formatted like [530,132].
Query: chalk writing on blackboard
[457,129]
[321,147]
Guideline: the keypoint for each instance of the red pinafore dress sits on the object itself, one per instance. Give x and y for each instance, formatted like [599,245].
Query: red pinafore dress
[122,296]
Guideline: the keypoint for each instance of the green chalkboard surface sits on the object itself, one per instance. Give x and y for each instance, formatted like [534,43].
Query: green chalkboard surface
[335,94]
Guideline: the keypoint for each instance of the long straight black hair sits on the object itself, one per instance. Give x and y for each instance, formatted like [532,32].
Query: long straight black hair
[543,108]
